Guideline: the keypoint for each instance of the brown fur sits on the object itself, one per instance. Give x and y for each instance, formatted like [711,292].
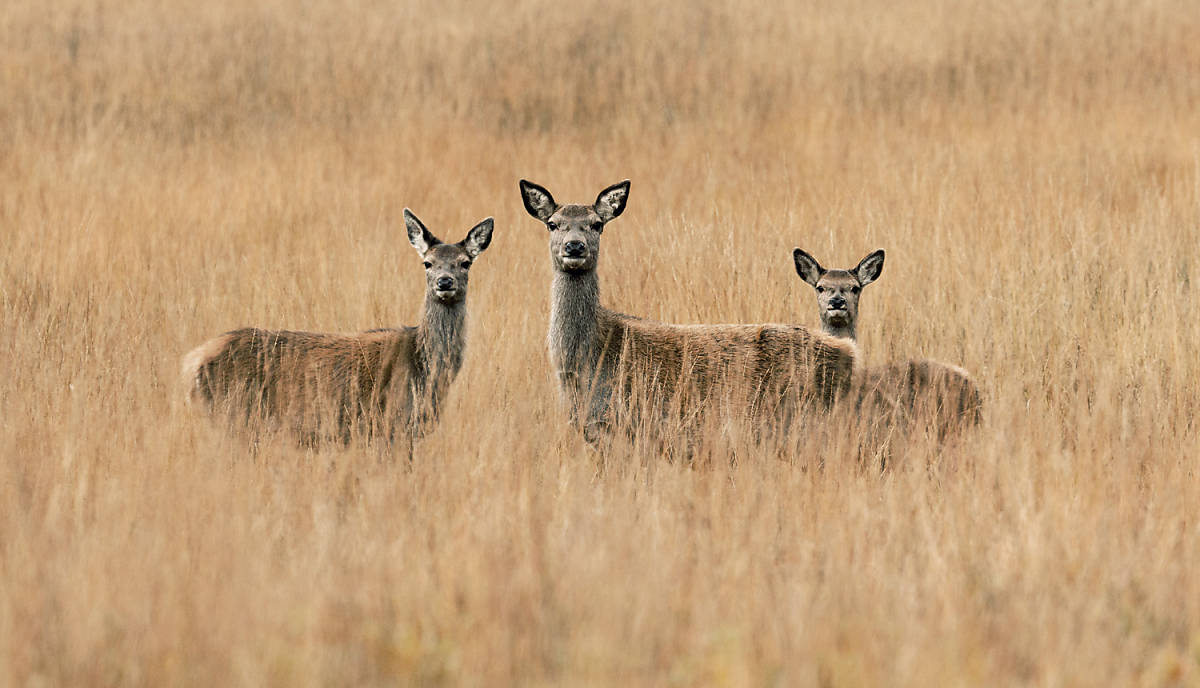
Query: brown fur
[742,372]
[892,395]
[386,383]
[619,369]
[315,385]
[899,394]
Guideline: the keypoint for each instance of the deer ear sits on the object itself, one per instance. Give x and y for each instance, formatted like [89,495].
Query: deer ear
[478,238]
[611,201]
[421,239]
[807,267]
[869,268]
[538,201]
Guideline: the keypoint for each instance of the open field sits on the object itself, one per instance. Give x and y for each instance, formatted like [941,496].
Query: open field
[170,170]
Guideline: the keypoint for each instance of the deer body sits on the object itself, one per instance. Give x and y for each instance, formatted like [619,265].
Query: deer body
[386,383]
[895,392]
[617,368]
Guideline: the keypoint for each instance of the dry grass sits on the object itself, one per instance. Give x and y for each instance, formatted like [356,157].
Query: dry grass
[170,170]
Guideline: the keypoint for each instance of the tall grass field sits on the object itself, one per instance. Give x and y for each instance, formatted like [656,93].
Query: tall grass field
[172,170]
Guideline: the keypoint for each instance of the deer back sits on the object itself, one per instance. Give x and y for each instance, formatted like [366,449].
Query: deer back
[751,369]
[314,384]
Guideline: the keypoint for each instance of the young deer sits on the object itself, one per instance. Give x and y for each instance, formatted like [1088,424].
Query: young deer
[381,383]
[898,389]
[617,369]
[838,290]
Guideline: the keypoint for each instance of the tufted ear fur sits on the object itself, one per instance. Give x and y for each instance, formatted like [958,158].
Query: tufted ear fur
[478,238]
[807,267]
[611,201]
[869,268]
[538,201]
[420,237]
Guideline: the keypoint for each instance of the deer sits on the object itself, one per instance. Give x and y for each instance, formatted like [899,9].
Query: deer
[618,371]
[382,383]
[898,390]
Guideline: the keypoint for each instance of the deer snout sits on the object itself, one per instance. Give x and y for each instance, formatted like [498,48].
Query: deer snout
[574,249]
[837,303]
[445,283]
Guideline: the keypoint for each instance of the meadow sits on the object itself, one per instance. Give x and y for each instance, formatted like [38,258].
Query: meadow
[170,170]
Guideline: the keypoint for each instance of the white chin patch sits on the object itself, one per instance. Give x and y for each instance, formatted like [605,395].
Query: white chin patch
[574,262]
[443,295]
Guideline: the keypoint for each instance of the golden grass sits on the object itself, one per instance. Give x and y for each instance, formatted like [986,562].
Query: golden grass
[172,170]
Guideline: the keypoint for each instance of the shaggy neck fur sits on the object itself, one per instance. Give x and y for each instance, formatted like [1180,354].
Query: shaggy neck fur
[441,338]
[846,331]
[574,304]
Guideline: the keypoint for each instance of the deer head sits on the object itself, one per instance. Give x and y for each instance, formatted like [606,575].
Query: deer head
[446,265]
[575,229]
[838,290]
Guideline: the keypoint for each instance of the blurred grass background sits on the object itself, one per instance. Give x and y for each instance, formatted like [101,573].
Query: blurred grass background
[172,170]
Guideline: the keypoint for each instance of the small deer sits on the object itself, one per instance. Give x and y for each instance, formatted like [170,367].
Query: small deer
[922,387]
[385,383]
[838,290]
[617,369]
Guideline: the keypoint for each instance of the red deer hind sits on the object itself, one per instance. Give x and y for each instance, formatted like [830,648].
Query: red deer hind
[385,383]
[620,370]
[899,390]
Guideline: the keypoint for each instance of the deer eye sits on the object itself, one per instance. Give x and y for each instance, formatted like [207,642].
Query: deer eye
[428,265]
[552,225]
[465,264]
[597,227]
[820,290]
[855,290]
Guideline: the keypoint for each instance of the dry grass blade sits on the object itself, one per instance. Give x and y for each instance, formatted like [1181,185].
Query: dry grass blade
[173,170]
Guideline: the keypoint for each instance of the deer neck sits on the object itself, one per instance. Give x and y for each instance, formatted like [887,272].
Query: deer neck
[847,331]
[441,337]
[574,305]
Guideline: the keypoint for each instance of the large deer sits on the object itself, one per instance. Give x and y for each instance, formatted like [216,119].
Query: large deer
[386,382]
[617,369]
[901,389]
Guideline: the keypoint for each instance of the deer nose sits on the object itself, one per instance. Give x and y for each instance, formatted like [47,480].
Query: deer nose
[574,249]
[445,283]
[838,303]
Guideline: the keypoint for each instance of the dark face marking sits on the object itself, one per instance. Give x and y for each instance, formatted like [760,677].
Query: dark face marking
[575,229]
[838,290]
[446,272]
[575,238]
[446,265]
[837,297]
